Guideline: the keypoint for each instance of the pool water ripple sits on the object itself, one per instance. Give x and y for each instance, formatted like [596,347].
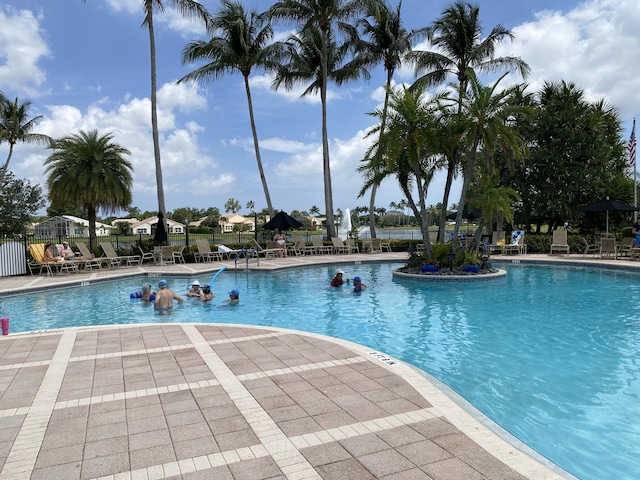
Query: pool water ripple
[549,353]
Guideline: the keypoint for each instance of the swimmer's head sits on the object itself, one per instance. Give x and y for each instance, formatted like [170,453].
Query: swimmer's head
[162,283]
[146,288]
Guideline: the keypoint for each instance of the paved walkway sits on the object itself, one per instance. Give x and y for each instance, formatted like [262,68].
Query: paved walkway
[194,401]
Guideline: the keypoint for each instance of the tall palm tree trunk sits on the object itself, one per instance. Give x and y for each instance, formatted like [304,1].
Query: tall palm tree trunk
[154,118]
[257,147]
[5,167]
[442,222]
[328,193]
[383,123]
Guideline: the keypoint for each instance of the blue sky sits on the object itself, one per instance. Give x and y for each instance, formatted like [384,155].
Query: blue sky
[86,66]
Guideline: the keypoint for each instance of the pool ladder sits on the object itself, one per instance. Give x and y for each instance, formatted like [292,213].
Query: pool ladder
[247,253]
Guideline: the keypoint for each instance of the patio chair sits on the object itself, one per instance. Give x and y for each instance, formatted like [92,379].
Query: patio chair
[352,245]
[204,253]
[559,243]
[265,252]
[516,246]
[385,246]
[373,246]
[227,252]
[88,260]
[319,246]
[117,260]
[590,248]
[624,249]
[146,256]
[608,247]
[339,246]
[497,242]
[178,256]
[37,253]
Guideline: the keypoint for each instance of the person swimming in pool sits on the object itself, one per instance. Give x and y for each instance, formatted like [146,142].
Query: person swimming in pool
[195,290]
[234,297]
[147,295]
[358,286]
[165,297]
[206,293]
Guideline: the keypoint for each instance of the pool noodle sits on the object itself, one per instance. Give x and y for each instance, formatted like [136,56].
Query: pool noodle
[214,277]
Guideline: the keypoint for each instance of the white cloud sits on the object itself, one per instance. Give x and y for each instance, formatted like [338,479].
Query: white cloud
[22,46]
[595,46]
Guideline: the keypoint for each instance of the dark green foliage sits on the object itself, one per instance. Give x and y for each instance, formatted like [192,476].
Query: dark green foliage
[19,200]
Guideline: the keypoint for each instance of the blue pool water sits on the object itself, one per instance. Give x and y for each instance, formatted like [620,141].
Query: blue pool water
[550,354]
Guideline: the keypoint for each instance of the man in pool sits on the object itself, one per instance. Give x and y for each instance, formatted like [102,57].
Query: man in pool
[206,293]
[358,286]
[165,297]
[234,296]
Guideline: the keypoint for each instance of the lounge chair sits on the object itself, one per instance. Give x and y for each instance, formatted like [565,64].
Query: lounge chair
[608,247]
[352,245]
[37,253]
[227,252]
[178,256]
[117,260]
[265,252]
[88,260]
[373,246]
[516,246]
[339,246]
[146,256]
[497,242]
[624,249]
[590,248]
[559,243]
[204,252]
[319,246]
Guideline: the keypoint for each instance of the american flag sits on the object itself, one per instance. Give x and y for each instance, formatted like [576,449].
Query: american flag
[632,145]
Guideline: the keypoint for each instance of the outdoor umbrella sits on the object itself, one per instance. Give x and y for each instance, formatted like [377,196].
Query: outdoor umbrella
[160,238]
[282,221]
[608,206]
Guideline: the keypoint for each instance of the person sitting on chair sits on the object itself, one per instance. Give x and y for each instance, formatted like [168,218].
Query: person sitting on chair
[66,252]
[635,230]
[48,255]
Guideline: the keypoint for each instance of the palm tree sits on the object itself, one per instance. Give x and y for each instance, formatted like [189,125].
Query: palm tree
[386,41]
[487,112]
[242,45]
[460,50]
[408,147]
[322,16]
[189,9]
[15,126]
[89,172]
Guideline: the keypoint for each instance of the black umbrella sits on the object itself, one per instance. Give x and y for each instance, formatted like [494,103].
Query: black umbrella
[608,206]
[469,215]
[282,221]
[160,237]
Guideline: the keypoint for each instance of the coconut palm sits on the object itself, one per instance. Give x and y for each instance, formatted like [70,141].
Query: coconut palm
[324,16]
[89,172]
[460,50]
[189,9]
[487,111]
[386,41]
[408,147]
[241,44]
[16,126]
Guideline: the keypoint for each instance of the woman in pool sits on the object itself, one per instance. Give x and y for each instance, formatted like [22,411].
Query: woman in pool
[147,295]
[195,290]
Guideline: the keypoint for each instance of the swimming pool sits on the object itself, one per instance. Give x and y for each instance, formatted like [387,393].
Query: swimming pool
[550,354]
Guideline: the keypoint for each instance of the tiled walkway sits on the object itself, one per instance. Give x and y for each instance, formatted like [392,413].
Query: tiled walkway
[193,401]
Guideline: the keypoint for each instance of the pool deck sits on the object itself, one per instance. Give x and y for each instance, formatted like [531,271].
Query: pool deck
[215,401]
